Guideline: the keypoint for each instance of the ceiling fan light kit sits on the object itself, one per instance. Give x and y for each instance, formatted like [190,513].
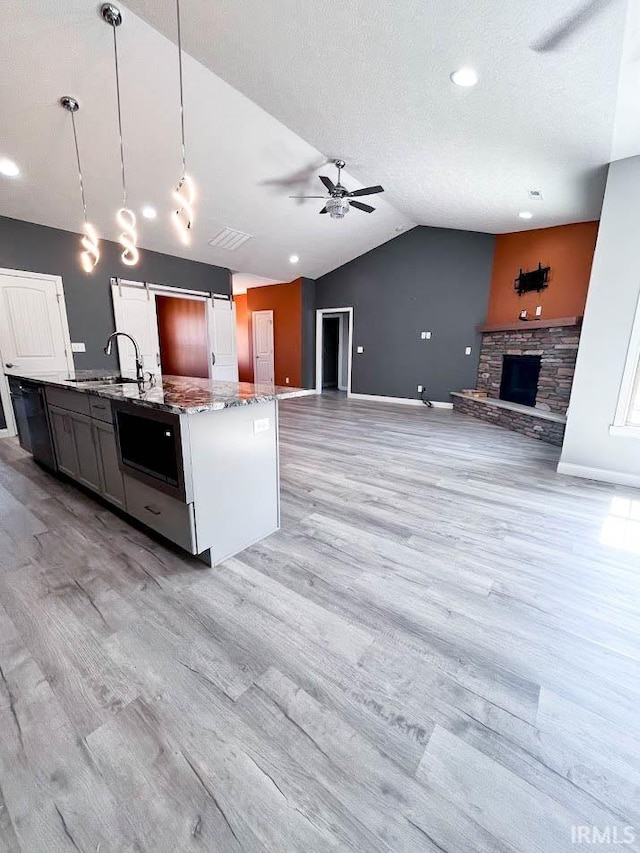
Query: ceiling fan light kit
[339,199]
[90,254]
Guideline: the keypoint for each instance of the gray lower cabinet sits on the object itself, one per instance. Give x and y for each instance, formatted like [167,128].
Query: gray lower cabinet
[86,451]
[63,441]
[111,480]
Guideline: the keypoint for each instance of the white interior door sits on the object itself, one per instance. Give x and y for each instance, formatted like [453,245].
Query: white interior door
[134,310]
[34,334]
[222,332]
[263,352]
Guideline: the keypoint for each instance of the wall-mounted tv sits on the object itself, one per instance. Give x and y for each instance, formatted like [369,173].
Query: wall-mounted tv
[536,280]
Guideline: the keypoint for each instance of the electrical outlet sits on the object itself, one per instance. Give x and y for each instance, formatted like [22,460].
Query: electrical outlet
[286,379]
[467,351]
[261,425]
[420,389]
[538,310]
[360,350]
[78,347]
[425,336]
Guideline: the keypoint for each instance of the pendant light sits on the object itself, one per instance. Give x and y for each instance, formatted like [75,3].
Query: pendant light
[185,193]
[90,255]
[125,217]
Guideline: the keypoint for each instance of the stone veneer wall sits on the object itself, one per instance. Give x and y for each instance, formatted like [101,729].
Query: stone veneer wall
[558,348]
[528,424]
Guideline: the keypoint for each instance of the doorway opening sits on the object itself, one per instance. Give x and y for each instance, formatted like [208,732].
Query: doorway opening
[184,336]
[334,344]
[179,332]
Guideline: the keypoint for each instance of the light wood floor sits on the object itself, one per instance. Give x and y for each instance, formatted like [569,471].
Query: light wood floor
[436,653]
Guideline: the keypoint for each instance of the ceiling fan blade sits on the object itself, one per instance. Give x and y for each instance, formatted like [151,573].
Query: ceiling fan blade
[367,191]
[307,196]
[324,210]
[327,182]
[366,207]
[567,26]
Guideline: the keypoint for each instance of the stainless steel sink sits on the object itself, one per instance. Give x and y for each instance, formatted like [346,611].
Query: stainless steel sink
[109,380]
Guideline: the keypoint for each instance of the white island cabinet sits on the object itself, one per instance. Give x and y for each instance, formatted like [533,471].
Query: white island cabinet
[194,460]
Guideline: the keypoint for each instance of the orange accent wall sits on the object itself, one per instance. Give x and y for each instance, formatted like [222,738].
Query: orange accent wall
[567,249]
[243,329]
[285,300]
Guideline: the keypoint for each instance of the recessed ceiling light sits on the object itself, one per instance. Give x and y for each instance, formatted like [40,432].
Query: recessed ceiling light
[524,214]
[465,77]
[149,212]
[293,259]
[8,168]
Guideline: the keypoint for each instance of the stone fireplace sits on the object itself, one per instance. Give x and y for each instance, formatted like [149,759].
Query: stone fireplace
[555,346]
[525,372]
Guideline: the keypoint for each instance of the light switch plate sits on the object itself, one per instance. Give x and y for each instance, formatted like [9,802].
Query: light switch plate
[360,349]
[538,310]
[425,336]
[78,347]
[467,351]
[261,425]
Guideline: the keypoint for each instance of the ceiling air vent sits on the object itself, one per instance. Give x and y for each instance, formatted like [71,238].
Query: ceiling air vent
[229,239]
[536,195]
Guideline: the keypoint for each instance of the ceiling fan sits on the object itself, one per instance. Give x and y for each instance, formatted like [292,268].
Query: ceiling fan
[565,27]
[339,199]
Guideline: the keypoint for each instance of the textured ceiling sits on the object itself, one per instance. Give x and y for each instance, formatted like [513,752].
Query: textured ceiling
[295,82]
[370,82]
[246,162]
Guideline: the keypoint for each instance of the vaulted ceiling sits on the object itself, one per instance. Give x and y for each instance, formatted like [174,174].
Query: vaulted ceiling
[274,89]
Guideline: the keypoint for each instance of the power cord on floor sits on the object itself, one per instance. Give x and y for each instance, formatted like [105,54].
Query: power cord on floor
[426,402]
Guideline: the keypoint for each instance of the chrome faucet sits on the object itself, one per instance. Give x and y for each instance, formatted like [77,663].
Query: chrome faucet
[139,365]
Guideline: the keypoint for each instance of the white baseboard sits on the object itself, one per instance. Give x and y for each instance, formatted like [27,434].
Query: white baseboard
[403,401]
[602,475]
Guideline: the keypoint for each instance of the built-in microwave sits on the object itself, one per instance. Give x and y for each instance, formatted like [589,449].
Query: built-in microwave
[150,447]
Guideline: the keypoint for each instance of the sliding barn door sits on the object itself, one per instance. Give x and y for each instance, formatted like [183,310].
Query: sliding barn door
[224,355]
[134,311]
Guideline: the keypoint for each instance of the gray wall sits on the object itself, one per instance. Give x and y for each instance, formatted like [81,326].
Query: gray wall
[308,333]
[428,279]
[35,248]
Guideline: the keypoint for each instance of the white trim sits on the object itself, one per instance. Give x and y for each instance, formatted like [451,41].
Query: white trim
[403,401]
[602,475]
[320,313]
[630,376]
[625,431]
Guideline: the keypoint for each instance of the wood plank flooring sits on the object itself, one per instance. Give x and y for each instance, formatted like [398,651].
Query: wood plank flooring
[437,652]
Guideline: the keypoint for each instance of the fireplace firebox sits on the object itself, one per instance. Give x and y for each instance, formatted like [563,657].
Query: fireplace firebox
[520,374]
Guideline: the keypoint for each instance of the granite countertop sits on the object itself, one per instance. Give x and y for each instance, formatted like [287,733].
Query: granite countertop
[178,394]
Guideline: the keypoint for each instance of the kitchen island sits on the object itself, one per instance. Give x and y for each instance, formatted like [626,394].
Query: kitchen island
[193,459]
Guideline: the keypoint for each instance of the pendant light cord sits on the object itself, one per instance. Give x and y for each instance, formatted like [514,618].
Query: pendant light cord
[75,139]
[184,154]
[124,181]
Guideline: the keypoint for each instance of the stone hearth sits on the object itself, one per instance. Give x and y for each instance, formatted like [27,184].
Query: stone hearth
[556,343]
